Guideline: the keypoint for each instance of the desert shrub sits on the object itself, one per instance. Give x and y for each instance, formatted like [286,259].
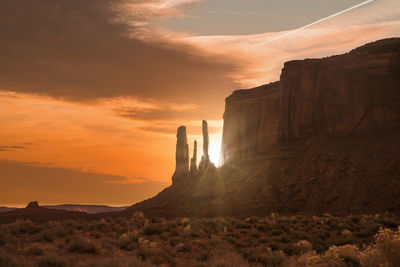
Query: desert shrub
[363,233]
[290,249]
[6,260]
[354,219]
[155,255]
[384,251]
[264,256]
[348,254]
[120,262]
[48,235]
[51,261]
[240,225]
[183,247]
[35,251]
[138,219]
[204,256]
[83,245]
[388,223]
[212,226]
[284,238]
[276,232]
[25,227]
[229,259]
[128,240]
[173,241]
[153,229]
[263,227]
[184,221]
[3,238]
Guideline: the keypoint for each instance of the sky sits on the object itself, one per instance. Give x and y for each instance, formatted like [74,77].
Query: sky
[92,92]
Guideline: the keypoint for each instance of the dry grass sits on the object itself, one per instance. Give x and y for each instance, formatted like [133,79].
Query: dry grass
[272,240]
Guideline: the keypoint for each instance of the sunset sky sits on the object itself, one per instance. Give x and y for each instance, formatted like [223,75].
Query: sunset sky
[92,91]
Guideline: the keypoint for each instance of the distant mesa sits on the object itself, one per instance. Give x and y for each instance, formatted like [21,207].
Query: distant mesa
[33,205]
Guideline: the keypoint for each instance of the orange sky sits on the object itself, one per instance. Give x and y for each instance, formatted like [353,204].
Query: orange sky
[91,95]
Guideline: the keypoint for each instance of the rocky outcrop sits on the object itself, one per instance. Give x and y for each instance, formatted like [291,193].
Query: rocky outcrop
[193,160]
[181,155]
[351,94]
[33,205]
[354,93]
[205,159]
[204,127]
[251,121]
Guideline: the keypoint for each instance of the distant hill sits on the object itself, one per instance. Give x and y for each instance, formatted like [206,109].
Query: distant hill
[89,209]
[323,139]
[36,213]
[4,209]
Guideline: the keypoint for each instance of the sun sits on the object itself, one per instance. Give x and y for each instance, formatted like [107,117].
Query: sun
[214,150]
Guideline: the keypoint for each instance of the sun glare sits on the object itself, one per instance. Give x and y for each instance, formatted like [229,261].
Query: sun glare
[214,150]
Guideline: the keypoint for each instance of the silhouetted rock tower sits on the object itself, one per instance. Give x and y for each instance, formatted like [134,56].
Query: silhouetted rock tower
[205,159]
[182,155]
[193,161]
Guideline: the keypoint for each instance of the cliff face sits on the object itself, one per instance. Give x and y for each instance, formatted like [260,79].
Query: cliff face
[354,93]
[251,122]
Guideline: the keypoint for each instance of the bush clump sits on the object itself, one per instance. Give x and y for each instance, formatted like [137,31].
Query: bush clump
[83,245]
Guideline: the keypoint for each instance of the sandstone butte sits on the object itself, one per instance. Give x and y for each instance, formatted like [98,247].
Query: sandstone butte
[325,138]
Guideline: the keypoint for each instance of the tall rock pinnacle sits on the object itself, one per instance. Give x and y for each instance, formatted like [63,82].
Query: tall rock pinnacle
[193,161]
[205,159]
[182,154]
[205,139]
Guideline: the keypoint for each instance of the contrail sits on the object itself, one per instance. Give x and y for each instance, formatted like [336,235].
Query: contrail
[321,20]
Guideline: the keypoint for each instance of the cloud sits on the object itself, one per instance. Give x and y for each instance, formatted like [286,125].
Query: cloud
[172,128]
[12,147]
[335,34]
[164,113]
[86,50]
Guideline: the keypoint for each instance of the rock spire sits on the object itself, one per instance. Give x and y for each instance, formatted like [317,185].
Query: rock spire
[193,161]
[205,159]
[182,154]
[205,139]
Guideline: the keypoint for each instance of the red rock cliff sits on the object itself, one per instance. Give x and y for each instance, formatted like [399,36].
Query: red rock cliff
[251,122]
[354,93]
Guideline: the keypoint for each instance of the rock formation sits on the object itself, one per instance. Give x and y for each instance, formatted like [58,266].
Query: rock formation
[32,205]
[251,121]
[204,127]
[354,93]
[182,155]
[205,159]
[193,161]
[324,139]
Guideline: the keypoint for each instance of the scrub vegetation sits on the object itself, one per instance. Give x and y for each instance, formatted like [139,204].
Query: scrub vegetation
[273,240]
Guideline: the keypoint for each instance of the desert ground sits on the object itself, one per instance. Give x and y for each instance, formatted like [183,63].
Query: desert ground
[272,240]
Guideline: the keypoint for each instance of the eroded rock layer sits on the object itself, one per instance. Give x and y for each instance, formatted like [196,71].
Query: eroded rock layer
[351,94]
[354,93]
[251,121]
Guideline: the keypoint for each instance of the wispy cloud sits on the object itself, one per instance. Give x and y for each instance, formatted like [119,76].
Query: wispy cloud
[338,33]
[234,13]
[12,147]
